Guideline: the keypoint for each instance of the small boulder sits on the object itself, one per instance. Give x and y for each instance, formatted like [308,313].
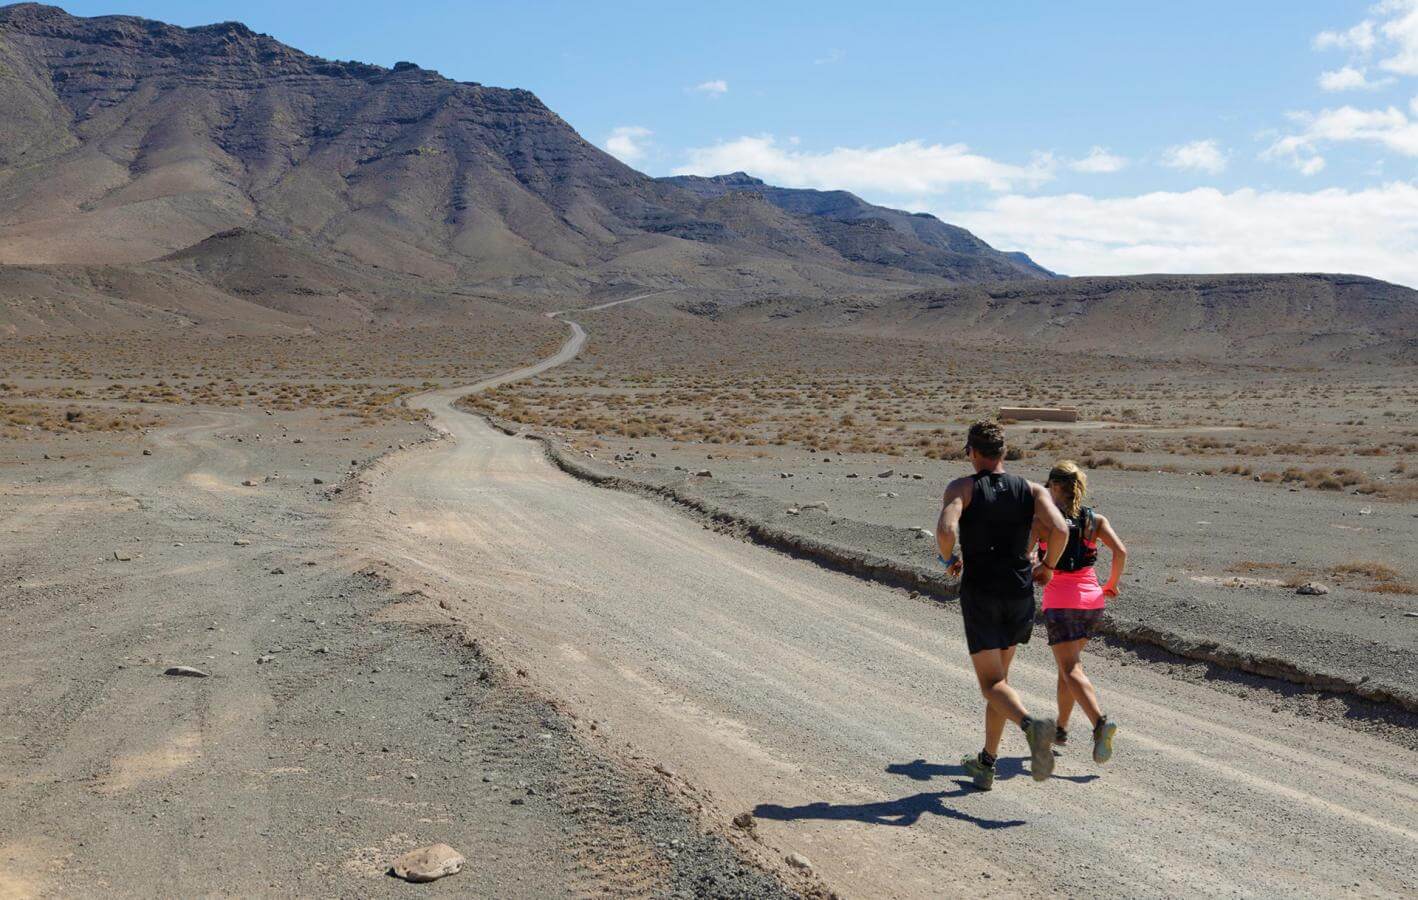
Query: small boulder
[703,473]
[241,542]
[250,482]
[428,863]
[1312,589]
[887,474]
[185,672]
[798,861]
[121,556]
[147,453]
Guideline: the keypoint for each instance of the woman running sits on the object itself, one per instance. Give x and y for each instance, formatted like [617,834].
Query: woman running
[1073,602]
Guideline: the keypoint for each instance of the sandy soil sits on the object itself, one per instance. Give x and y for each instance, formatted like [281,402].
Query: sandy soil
[345,720]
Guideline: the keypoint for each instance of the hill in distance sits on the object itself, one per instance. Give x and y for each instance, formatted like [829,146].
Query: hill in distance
[217,176]
[1288,320]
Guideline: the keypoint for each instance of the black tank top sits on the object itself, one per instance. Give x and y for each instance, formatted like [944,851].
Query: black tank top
[994,535]
[1081,552]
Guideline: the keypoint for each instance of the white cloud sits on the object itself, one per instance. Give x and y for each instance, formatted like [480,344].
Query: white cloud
[1389,127]
[834,55]
[1098,162]
[1394,33]
[627,143]
[909,168]
[1369,232]
[716,88]
[1401,32]
[1199,156]
[1350,79]
[1361,38]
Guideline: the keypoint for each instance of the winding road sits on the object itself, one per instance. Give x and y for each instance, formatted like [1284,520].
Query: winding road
[837,710]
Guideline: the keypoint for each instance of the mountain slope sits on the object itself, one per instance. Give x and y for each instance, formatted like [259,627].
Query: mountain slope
[123,139]
[1283,319]
[918,242]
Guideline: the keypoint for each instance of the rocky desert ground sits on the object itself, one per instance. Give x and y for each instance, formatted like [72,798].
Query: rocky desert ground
[386,468]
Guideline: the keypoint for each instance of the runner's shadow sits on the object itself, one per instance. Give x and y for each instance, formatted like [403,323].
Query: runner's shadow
[1006,767]
[901,813]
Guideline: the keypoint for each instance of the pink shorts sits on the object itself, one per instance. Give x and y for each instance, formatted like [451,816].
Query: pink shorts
[1074,590]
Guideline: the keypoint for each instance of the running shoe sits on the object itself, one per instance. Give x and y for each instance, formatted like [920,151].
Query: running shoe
[981,775]
[1040,735]
[1103,740]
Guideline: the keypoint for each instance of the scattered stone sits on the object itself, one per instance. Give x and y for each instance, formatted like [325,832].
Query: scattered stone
[278,571]
[299,441]
[852,475]
[241,542]
[1312,589]
[924,533]
[317,481]
[249,483]
[798,861]
[428,863]
[185,672]
[518,801]
[745,821]
[816,504]
[917,476]
[887,474]
[793,511]
[703,473]
[664,770]
[1366,512]
[262,660]
[147,453]
[121,556]
[1413,615]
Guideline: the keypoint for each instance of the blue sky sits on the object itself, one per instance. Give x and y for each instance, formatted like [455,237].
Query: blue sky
[1100,137]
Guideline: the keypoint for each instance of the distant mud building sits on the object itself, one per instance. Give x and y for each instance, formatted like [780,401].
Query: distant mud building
[1038,414]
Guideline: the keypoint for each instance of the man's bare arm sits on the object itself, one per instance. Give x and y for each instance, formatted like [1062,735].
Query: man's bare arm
[947,528]
[1053,521]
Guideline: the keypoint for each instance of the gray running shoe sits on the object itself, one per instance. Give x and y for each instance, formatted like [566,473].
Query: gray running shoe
[981,775]
[1103,741]
[1040,735]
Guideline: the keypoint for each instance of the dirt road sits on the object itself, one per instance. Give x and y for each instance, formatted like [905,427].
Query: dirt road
[837,711]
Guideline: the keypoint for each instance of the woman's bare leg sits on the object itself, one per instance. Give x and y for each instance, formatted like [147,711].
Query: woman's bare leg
[1065,694]
[1071,671]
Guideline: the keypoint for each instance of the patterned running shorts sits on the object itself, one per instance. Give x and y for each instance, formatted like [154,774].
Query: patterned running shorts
[1066,625]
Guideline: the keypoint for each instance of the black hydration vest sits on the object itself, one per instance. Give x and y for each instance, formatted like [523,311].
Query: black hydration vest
[1081,552]
[994,534]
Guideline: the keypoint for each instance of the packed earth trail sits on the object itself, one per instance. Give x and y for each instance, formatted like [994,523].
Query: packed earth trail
[836,711]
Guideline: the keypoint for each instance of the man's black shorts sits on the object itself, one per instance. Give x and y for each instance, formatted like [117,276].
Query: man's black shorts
[994,621]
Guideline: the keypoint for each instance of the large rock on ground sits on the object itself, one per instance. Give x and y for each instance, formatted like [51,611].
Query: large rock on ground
[428,863]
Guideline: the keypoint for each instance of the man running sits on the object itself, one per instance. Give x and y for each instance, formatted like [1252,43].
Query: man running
[990,516]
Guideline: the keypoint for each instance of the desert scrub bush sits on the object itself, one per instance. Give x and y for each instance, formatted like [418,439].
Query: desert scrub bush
[1382,579]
